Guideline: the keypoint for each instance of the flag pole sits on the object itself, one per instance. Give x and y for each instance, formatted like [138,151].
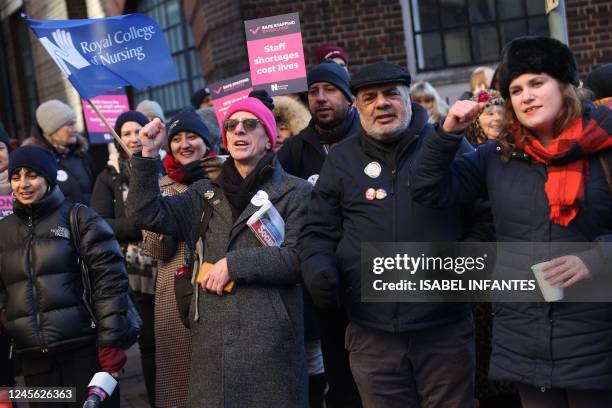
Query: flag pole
[110,128]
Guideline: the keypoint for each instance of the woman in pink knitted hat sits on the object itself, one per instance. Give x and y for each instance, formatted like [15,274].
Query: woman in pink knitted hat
[244,302]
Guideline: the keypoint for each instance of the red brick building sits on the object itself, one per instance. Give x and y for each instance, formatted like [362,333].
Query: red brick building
[440,41]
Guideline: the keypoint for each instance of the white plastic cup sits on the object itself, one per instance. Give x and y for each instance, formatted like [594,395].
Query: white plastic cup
[550,292]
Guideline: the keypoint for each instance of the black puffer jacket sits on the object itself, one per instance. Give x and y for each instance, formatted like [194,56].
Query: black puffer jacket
[40,279]
[558,345]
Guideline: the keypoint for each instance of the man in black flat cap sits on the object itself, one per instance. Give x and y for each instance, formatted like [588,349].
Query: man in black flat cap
[401,354]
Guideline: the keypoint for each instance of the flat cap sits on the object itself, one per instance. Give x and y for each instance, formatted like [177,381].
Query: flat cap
[381,72]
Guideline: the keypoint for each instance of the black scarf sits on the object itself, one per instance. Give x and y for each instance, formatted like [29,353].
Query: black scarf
[239,191]
[340,132]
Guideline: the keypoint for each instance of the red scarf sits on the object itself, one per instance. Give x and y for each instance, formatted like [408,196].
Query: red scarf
[174,168]
[565,183]
[176,171]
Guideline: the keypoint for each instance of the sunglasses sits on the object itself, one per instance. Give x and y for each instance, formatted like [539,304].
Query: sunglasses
[248,124]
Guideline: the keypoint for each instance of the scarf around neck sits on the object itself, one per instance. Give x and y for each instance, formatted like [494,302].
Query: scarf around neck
[239,191]
[194,171]
[566,161]
[337,134]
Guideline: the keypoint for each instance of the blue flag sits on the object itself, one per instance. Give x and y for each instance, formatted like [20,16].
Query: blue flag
[98,55]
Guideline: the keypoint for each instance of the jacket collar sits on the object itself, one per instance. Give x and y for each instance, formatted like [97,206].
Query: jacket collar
[42,207]
[417,124]
[312,137]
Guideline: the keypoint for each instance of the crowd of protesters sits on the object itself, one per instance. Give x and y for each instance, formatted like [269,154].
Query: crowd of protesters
[225,320]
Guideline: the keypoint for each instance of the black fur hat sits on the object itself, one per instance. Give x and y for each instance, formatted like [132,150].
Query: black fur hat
[536,55]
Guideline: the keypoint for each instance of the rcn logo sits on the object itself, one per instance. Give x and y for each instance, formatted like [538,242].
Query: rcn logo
[63,51]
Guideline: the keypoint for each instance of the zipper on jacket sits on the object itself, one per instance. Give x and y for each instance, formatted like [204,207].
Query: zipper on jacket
[34,291]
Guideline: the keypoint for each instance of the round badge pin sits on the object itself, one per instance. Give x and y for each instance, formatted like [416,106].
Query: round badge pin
[370,194]
[209,194]
[313,179]
[381,193]
[62,176]
[259,198]
[373,169]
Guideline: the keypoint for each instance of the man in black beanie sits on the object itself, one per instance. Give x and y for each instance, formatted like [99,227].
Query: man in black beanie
[401,354]
[334,119]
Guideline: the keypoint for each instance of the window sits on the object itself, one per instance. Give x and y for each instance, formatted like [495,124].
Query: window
[175,95]
[452,33]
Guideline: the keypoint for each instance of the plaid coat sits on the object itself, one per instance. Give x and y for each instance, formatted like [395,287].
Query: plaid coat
[172,339]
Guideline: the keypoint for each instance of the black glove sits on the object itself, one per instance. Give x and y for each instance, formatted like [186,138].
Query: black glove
[263,96]
[323,287]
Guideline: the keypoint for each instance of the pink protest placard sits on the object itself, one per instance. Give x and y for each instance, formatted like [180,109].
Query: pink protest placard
[276,54]
[6,206]
[111,105]
[224,93]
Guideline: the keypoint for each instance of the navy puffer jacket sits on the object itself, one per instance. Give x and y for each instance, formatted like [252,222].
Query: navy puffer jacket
[551,345]
[40,278]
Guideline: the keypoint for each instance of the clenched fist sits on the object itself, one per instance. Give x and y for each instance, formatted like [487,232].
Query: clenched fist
[152,136]
[461,114]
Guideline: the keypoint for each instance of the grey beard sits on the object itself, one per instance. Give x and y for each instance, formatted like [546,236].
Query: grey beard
[393,136]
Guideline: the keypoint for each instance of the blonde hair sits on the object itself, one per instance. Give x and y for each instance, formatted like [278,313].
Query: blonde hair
[424,89]
[480,79]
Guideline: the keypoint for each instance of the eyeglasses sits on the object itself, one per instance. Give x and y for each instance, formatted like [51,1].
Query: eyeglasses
[249,124]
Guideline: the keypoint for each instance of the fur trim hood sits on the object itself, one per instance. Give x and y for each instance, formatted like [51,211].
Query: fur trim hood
[291,112]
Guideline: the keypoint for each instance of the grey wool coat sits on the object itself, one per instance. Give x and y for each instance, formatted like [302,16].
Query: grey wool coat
[248,346]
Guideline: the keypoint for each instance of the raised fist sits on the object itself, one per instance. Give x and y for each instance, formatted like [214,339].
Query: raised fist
[152,137]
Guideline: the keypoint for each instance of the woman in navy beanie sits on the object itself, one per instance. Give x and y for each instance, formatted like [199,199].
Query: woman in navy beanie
[60,342]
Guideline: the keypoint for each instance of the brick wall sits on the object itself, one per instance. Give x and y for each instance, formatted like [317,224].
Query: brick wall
[589,26]
[369,30]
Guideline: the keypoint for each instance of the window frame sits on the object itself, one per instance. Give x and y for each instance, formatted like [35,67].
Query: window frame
[467,25]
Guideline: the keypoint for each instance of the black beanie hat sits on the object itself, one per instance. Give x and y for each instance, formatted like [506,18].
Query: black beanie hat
[188,120]
[41,160]
[4,137]
[198,97]
[381,72]
[330,72]
[536,55]
[600,81]
[130,116]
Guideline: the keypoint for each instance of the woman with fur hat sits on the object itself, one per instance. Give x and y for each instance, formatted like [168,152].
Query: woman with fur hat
[192,156]
[109,200]
[291,117]
[57,123]
[248,345]
[547,177]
